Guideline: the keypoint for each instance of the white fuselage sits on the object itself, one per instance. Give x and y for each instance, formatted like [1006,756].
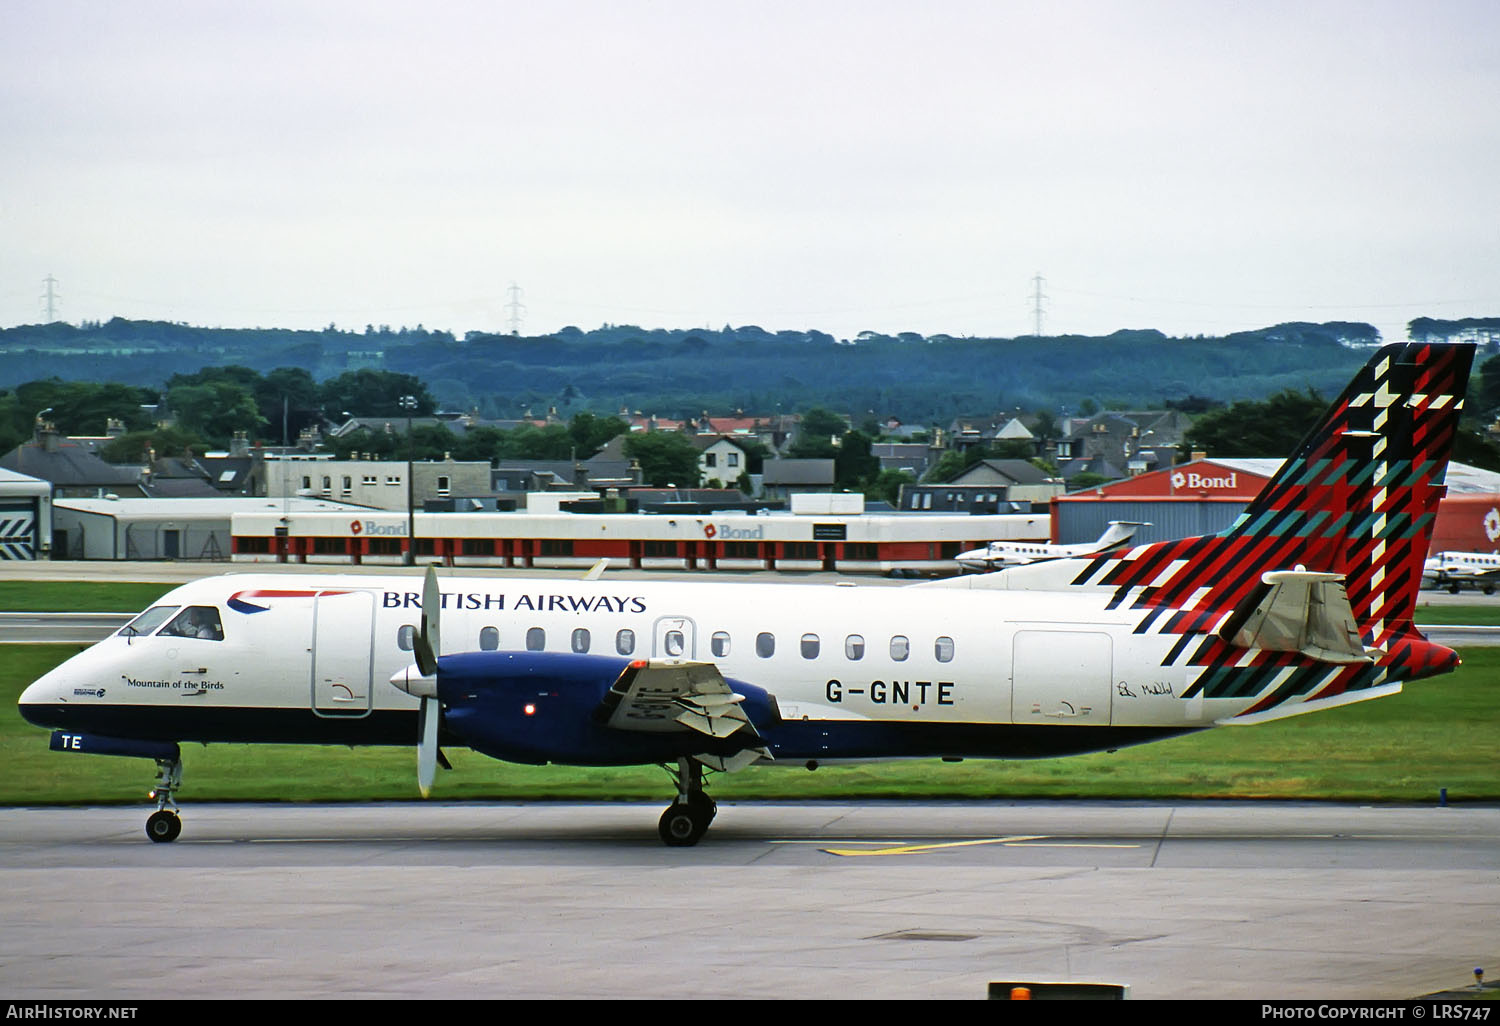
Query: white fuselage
[326,646]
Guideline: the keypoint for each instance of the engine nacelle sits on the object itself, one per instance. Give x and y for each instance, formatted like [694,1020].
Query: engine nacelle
[540,707]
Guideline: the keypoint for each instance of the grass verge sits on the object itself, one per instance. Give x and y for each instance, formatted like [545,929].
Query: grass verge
[79,596]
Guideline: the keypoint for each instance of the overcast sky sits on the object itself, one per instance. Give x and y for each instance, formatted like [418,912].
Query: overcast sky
[1193,166]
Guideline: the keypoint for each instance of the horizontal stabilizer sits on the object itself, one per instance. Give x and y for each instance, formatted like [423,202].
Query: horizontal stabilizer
[1299,611]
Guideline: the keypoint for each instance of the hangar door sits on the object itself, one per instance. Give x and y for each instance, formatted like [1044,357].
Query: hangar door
[18,530]
[1062,677]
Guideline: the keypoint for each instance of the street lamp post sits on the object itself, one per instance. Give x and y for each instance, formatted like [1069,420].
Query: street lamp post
[409,403]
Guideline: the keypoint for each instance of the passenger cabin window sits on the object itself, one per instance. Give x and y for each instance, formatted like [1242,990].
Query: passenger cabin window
[625,641]
[765,645]
[536,639]
[489,639]
[944,650]
[581,640]
[719,644]
[404,635]
[147,621]
[200,622]
[810,646]
[674,643]
[900,648]
[854,647]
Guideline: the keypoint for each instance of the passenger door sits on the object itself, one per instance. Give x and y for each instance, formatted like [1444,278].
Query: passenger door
[343,654]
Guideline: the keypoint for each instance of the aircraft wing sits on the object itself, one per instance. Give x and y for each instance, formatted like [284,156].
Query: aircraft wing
[1470,573]
[671,696]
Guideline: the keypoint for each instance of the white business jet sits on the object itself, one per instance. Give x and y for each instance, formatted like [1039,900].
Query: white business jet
[1304,603]
[998,555]
[1453,570]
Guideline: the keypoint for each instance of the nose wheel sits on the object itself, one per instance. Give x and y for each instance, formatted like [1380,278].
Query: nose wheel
[164,824]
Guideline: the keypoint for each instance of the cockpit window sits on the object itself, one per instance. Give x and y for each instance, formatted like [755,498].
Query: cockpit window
[195,622]
[147,621]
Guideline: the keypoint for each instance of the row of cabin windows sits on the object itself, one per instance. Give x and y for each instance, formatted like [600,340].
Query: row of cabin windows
[810,645]
[674,643]
[536,639]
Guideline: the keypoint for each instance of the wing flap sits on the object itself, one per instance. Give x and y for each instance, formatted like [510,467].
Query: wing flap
[667,696]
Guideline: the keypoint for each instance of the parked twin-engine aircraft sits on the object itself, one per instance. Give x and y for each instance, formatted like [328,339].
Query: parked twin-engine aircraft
[1453,570]
[998,555]
[1304,603]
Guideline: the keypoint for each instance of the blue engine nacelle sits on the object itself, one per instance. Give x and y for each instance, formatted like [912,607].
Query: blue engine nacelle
[541,707]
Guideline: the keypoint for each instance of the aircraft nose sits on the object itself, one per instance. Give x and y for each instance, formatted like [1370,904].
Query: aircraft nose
[411,680]
[41,695]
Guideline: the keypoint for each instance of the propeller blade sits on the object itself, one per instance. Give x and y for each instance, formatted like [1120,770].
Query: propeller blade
[427,645]
[427,744]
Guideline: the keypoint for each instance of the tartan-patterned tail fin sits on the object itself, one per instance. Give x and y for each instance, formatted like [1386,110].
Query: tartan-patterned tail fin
[1357,499]
[1307,599]
[1360,494]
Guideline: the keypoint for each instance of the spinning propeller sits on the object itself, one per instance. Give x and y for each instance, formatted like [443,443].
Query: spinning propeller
[426,646]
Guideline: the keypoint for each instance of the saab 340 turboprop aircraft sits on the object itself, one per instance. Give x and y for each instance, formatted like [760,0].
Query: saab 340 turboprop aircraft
[1304,603]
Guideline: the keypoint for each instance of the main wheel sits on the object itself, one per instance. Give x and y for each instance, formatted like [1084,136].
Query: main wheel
[163,826]
[683,825]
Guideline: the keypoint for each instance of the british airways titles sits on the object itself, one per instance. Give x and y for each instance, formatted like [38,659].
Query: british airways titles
[517,603]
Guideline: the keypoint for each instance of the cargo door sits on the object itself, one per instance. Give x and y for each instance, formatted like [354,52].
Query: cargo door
[1062,678]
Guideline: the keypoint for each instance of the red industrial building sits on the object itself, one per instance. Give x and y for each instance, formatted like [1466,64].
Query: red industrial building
[1204,496]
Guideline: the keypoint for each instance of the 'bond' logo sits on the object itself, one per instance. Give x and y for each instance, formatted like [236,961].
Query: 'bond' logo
[1194,481]
[729,533]
[372,528]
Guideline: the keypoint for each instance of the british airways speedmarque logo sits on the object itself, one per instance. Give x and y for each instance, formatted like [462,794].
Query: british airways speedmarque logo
[240,600]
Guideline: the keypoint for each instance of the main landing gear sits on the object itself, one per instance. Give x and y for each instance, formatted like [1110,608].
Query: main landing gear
[164,824]
[686,819]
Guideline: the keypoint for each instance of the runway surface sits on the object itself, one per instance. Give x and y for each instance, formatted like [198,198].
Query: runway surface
[879,900]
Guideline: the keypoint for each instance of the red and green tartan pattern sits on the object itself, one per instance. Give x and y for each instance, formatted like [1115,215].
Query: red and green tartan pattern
[1359,498]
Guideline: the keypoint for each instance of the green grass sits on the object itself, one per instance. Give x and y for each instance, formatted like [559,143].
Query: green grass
[1443,732]
[79,596]
[1474,616]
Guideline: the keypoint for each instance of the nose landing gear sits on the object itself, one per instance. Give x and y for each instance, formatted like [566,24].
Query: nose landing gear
[164,824]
